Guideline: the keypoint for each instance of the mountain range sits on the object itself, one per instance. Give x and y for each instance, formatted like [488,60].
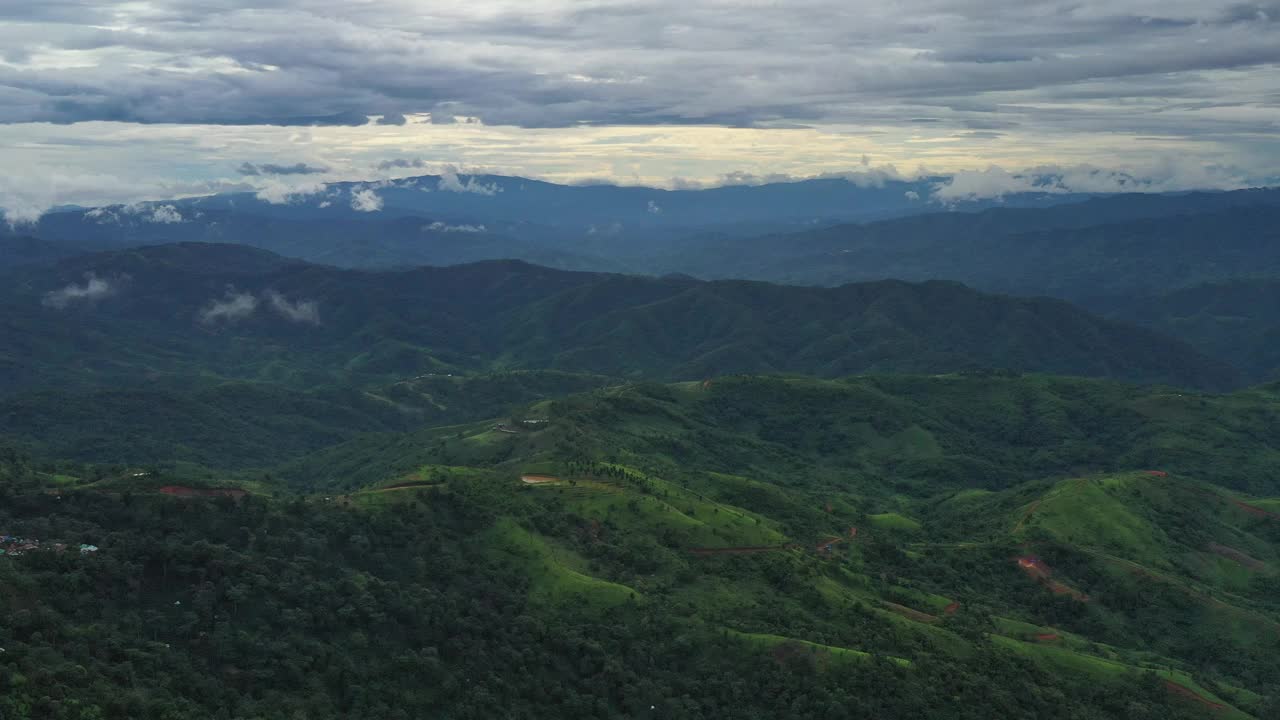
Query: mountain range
[154,315]
[296,473]
[448,219]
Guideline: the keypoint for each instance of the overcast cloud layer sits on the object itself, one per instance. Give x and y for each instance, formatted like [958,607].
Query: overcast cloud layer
[1033,82]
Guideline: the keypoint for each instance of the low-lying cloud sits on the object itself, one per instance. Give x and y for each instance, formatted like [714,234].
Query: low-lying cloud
[137,212]
[996,182]
[280,192]
[19,212]
[442,227]
[27,193]
[93,289]
[239,305]
[451,182]
[165,215]
[366,200]
[301,311]
[234,307]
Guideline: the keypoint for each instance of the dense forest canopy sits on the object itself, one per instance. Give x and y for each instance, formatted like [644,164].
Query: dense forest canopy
[894,547]
[639,360]
[234,484]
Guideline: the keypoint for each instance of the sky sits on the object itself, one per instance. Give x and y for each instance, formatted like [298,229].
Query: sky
[104,102]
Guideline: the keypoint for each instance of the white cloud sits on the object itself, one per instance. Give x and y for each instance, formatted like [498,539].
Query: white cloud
[654,208]
[106,215]
[1167,175]
[450,182]
[283,192]
[165,214]
[992,183]
[634,90]
[93,289]
[442,227]
[302,311]
[366,200]
[871,178]
[912,195]
[19,212]
[30,188]
[235,306]
[140,212]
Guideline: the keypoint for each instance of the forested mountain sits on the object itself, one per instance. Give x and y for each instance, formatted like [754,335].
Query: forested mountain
[238,484]
[1064,245]
[890,547]
[451,219]
[1236,321]
[20,250]
[170,316]
[395,478]
[300,420]
[1104,246]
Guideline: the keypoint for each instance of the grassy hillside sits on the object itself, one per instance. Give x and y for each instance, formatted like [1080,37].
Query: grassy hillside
[1055,535]
[888,434]
[604,574]
[1052,547]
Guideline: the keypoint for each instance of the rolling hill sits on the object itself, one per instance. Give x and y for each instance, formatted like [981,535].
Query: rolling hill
[1028,546]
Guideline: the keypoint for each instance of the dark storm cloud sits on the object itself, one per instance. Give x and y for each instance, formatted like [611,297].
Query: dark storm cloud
[1252,12]
[402,164]
[252,169]
[551,63]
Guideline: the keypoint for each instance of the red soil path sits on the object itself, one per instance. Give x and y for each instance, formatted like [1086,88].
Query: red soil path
[1027,515]
[741,550]
[952,609]
[183,491]
[1186,692]
[1047,637]
[1254,510]
[909,613]
[411,484]
[1038,570]
[1234,555]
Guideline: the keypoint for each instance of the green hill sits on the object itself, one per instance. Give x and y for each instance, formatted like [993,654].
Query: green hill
[236,425]
[1029,546]
[1131,568]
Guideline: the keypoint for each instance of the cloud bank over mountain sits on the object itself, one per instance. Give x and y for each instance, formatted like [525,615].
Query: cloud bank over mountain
[173,94]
